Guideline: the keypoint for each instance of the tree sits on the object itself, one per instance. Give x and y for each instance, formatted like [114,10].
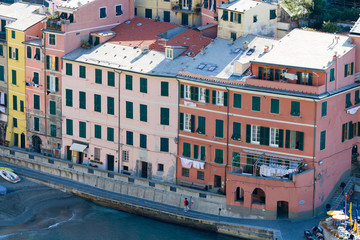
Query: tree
[330,27]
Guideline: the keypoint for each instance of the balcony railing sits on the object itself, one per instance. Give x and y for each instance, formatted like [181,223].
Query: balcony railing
[188,9]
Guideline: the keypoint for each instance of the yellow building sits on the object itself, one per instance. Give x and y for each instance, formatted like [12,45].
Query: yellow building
[23,22]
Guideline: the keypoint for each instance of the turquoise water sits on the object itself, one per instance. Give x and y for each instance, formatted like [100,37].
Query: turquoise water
[85,220]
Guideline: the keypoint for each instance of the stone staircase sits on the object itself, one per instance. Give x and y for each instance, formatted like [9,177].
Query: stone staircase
[338,196]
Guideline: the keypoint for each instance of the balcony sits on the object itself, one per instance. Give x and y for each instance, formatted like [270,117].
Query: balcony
[176,7]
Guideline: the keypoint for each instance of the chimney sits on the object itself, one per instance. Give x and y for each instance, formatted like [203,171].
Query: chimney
[266,49]
[202,51]
[246,45]
[334,57]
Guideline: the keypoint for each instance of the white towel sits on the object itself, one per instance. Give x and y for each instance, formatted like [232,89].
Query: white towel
[198,165]
[186,163]
[2,98]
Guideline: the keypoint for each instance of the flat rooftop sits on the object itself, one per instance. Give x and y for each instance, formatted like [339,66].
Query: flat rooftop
[240,5]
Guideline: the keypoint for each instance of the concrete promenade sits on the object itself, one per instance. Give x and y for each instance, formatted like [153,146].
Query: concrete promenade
[283,229]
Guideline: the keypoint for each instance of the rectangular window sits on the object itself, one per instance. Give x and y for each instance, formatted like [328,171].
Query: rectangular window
[69,127]
[1,50]
[294,140]
[82,129]
[82,71]
[349,130]
[2,73]
[160,167]
[28,52]
[186,149]
[164,89]
[219,128]
[35,78]
[166,16]
[201,125]
[15,122]
[98,76]
[97,103]
[219,98]
[256,103]
[323,109]
[22,106]
[142,141]
[97,131]
[37,54]
[36,124]
[332,74]
[237,100]
[272,14]
[225,15]
[111,79]
[349,69]
[295,108]
[235,159]
[53,130]
[348,102]
[255,134]
[164,116]
[68,67]
[322,140]
[118,10]
[13,34]
[143,113]
[36,102]
[110,134]
[52,39]
[203,95]
[236,131]
[199,152]
[200,175]
[125,156]
[110,105]
[15,102]
[357,98]
[129,110]
[69,97]
[52,63]
[274,137]
[143,85]
[129,138]
[148,13]
[13,76]
[52,107]
[103,12]
[219,156]
[255,19]
[274,106]
[97,154]
[128,82]
[164,144]
[186,122]
[185,172]
[52,83]
[82,100]
[185,92]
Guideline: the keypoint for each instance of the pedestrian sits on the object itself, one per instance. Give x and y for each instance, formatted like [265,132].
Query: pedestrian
[186,205]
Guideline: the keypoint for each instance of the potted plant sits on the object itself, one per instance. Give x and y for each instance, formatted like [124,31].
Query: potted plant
[85,44]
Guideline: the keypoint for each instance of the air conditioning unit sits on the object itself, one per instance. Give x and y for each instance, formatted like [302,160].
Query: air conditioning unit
[144,49]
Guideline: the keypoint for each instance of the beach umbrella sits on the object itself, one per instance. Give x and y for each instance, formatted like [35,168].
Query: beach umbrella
[334,212]
[340,217]
[356,226]
[350,208]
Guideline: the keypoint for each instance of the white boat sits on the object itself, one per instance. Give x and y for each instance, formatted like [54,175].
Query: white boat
[9,176]
[5,168]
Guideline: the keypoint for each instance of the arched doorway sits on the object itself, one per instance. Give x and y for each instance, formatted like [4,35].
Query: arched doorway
[282,209]
[22,140]
[239,194]
[258,196]
[36,143]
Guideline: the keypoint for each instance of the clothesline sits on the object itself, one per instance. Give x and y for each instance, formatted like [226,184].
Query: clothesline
[187,163]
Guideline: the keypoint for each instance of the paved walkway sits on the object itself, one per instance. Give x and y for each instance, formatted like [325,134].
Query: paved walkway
[290,230]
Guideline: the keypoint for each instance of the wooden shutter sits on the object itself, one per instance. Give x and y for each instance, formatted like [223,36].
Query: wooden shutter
[56,63]
[181,121]
[352,69]
[164,89]
[343,132]
[310,79]
[219,128]
[2,75]
[213,97]
[346,70]
[192,93]
[225,98]
[351,130]
[248,133]
[98,76]
[16,54]
[287,139]
[207,93]
[56,84]
[239,18]
[48,63]
[10,52]
[196,151]
[48,82]
[260,73]
[192,123]
[301,140]
[281,138]
[298,81]
[182,90]
[196,93]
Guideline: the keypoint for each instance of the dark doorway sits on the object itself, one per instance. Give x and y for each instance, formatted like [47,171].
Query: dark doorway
[239,194]
[110,162]
[148,13]
[354,153]
[282,209]
[80,158]
[217,181]
[68,153]
[16,139]
[36,143]
[166,16]
[144,169]
[184,19]
[22,140]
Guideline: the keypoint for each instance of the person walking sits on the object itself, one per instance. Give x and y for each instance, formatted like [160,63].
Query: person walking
[186,205]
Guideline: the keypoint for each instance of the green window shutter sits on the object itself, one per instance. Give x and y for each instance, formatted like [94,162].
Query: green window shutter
[274,106]
[110,105]
[237,100]
[111,79]
[235,159]
[295,108]
[16,54]
[47,82]
[264,136]
[13,75]
[98,131]
[37,102]
[352,69]
[142,140]
[68,68]
[346,70]
[277,74]
[143,113]
[196,151]
[357,97]
[53,130]
[21,106]
[260,72]
[281,138]
[310,79]
[351,130]
[2,73]
[196,93]
[52,107]
[1,50]
[143,85]
[219,128]
[98,76]
[213,97]
[56,63]
[206,3]
[298,74]
[192,93]
[207,94]
[12,34]
[231,16]
[182,90]
[82,71]
[219,156]
[255,103]
[14,102]
[186,149]
[343,132]
[192,121]
[10,52]
[69,127]
[36,124]
[272,14]
[271,73]
[322,140]
[129,110]
[82,100]
[332,74]
[164,89]
[239,18]
[164,144]
[181,121]
[301,141]
[202,153]
[348,100]
[97,103]
[248,133]
[69,97]
[110,134]
[56,84]
[164,116]
[225,98]
[128,82]
[225,15]
[287,139]
[323,109]
[15,122]
[236,131]
[201,125]
[82,129]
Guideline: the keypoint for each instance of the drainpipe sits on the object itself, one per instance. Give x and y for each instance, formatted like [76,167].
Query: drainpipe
[227,136]
[178,126]
[45,86]
[119,145]
[314,185]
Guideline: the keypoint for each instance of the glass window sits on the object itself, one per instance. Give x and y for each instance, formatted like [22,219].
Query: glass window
[255,134]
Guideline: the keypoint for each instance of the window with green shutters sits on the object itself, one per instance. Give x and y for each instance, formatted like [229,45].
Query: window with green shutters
[237,100]
[52,39]
[36,102]
[129,138]
[323,109]
[201,125]
[357,98]
[69,97]
[13,34]
[332,74]
[199,152]
[13,77]
[186,149]
[35,77]
[68,67]
[164,116]
[255,103]
[348,102]
[164,144]
[143,85]
[82,100]
[236,131]
[15,102]
[110,134]
[110,105]
[219,128]
[349,69]
[82,71]
[143,113]
[1,50]
[128,82]
[225,15]
[219,156]
[164,89]
[295,108]
[36,124]
[15,122]
[142,141]
[129,110]
[274,106]
[294,140]
[2,73]
[111,79]
[97,131]
[235,159]
[82,129]
[69,127]
[98,76]
[322,140]
[52,107]
[53,130]
[97,103]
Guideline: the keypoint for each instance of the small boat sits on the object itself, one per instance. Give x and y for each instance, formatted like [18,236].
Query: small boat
[9,176]
[8,169]
[3,190]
